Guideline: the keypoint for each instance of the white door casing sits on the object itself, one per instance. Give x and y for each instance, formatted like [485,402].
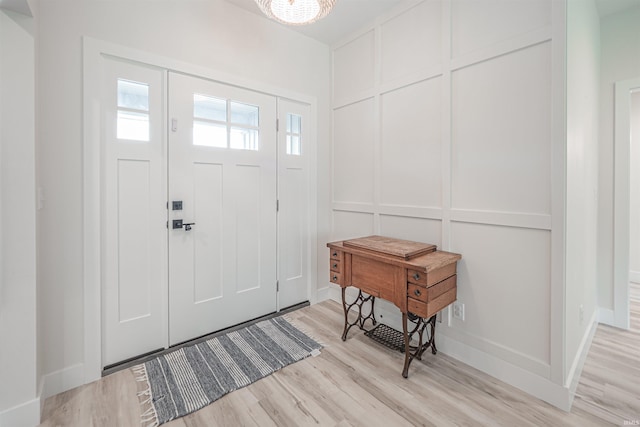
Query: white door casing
[121,178]
[222,271]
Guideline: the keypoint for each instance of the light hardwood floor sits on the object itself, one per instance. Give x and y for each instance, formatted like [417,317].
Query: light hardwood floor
[358,383]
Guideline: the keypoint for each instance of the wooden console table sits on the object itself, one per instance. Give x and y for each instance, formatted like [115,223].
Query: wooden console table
[416,277]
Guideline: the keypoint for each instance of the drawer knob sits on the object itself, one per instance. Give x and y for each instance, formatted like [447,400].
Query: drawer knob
[335,278]
[417,292]
[335,254]
[416,276]
[335,265]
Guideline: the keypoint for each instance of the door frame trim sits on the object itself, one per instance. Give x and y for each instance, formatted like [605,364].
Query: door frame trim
[621,201]
[94,51]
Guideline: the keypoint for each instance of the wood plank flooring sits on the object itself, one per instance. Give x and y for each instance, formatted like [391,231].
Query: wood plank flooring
[337,389]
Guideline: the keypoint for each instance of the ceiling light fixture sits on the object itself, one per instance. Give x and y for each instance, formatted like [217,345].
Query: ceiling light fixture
[296,12]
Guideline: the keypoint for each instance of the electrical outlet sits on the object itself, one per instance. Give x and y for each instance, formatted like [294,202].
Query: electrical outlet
[458,310]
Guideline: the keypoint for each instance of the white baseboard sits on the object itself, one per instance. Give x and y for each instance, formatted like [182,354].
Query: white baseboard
[529,382]
[62,380]
[24,415]
[578,363]
[535,385]
[606,316]
[322,294]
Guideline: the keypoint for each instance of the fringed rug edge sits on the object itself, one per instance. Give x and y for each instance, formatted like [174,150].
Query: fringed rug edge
[148,414]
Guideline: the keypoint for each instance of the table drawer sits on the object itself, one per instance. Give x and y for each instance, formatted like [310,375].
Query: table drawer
[424,294]
[417,292]
[428,309]
[335,265]
[335,254]
[431,278]
[335,278]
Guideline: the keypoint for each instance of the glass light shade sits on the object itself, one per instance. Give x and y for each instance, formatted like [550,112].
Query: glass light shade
[296,12]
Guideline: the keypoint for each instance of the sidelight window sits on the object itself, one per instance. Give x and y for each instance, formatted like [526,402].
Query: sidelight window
[294,134]
[133,111]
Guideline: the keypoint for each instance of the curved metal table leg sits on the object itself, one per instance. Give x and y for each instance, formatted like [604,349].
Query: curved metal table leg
[361,319]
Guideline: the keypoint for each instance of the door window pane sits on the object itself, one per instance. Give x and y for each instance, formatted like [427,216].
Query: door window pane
[209,134]
[210,108]
[132,95]
[294,130]
[293,145]
[293,123]
[244,114]
[244,139]
[132,121]
[133,125]
[224,123]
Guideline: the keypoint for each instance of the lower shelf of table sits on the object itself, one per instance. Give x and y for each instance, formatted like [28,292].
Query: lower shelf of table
[387,336]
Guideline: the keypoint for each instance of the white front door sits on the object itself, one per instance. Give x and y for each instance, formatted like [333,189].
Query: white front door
[134,234]
[222,206]
[293,194]
[180,148]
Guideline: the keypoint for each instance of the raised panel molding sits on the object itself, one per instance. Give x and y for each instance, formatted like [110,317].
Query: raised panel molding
[353,152]
[416,29]
[507,219]
[353,65]
[513,98]
[501,155]
[347,225]
[411,145]
[504,47]
[476,25]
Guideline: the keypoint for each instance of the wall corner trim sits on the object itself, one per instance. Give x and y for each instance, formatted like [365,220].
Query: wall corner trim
[62,380]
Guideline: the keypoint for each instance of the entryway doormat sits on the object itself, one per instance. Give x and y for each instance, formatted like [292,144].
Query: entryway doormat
[192,377]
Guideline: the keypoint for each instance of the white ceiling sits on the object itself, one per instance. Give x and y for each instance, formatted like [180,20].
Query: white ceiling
[347,16]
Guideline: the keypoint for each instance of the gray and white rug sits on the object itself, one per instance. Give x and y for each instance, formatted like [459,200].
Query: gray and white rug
[192,377]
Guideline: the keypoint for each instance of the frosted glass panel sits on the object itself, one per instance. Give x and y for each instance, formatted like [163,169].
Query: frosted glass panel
[293,123]
[244,114]
[209,134]
[210,108]
[294,126]
[244,139]
[133,95]
[293,145]
[133,125]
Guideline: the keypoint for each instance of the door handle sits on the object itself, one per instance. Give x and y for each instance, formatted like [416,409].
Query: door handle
[177,223]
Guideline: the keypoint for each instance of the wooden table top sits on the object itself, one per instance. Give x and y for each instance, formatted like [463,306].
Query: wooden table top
[425,262]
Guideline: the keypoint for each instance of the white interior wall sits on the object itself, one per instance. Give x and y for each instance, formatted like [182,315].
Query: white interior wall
[620,44]
[213,34]
[19,403]
[445,131]
[634,214]
[583,80]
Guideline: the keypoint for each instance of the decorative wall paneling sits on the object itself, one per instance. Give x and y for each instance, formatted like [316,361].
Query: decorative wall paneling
[456,142]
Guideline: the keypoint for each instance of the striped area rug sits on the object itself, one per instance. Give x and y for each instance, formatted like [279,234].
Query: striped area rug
[190,378]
